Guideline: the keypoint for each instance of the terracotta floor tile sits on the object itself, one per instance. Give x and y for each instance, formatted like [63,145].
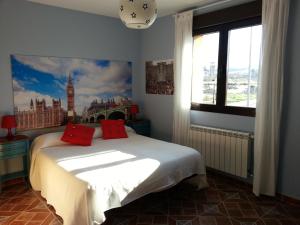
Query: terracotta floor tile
[50,218]
[189,212]
[33,223]
[40,216]
[160,220]
[183,220]
[55,222]
[36,204]
[226,202]
[18,223]
[245,205]
[231,205]
[256,222]
[16,200]
[128,220]
[27,201]
[19,207]
[25,216]
[145,219]
[7,207]
[250,213]
[223,221]
[9,219]
[189,204]
[207,220]
[272,222]
[212,209]
[7,213]
[175,211]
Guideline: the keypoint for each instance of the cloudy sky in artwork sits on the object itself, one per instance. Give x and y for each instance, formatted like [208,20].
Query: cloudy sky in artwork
[46,78]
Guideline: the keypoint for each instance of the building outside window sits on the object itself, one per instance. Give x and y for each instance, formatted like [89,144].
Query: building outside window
[226,60]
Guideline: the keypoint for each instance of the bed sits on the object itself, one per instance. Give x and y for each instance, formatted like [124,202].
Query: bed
[81,183]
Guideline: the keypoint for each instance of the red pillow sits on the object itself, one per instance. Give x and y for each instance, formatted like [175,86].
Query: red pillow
[113,129]
[78,134]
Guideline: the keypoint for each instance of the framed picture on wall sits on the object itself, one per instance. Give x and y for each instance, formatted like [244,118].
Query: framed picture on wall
[50,91]
[160,77]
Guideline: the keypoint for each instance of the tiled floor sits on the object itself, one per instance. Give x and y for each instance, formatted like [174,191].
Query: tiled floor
[225,202]
[19,205]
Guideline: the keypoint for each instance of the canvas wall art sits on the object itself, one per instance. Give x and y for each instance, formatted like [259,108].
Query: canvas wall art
[160,77]
[50,91]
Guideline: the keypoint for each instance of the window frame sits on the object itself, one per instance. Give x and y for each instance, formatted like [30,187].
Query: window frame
[223,29]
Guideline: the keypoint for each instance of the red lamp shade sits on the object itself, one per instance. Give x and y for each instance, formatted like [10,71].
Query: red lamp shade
[9,122]
[134,109]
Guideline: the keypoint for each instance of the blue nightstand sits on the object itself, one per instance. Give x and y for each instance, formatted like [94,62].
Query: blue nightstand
[141,126]
[14,148]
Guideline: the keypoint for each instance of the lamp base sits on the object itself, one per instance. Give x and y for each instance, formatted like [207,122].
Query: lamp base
[133,117]
[9,134]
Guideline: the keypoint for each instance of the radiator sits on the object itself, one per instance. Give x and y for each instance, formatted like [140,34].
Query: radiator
[224,150]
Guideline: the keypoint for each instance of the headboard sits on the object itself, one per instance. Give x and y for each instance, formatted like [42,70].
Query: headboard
[32,134]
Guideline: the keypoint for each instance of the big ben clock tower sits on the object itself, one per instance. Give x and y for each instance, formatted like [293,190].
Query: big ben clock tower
[70,97]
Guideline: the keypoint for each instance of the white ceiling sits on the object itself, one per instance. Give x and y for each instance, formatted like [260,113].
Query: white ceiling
[110,7]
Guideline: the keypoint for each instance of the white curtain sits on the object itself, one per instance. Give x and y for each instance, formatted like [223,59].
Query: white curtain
[268,111]
[183,76]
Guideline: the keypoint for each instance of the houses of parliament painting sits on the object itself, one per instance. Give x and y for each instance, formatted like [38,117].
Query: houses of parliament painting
[50,91]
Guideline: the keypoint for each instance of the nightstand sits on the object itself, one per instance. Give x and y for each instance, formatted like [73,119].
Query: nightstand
[141,126]
[14,148]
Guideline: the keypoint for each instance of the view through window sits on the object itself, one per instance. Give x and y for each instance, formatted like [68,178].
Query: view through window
[205,68]
[229,81]
[242,66]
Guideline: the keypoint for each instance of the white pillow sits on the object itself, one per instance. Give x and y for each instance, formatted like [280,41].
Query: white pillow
[97,133]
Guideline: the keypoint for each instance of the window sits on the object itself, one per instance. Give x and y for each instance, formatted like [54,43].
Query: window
[242,66]
[205,65]
[225,66]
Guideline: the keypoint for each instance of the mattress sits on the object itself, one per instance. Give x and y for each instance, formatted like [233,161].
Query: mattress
[84,182]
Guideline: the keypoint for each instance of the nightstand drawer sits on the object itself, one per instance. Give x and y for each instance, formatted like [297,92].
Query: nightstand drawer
[13,153]
[13,146]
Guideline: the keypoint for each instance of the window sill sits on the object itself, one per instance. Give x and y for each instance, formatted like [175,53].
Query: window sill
[240,111]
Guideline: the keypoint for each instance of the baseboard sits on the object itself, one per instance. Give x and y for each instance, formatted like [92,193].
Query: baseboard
[12,176]
[12,179]
[13,182]
[289,200]
[247,181]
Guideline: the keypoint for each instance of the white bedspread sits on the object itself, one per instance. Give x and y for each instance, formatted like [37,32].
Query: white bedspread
[84,182]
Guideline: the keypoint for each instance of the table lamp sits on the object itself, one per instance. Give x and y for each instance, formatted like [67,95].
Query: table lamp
[9,122]
[134,109]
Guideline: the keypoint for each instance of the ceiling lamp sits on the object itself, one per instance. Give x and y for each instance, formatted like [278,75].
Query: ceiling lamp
[138,14]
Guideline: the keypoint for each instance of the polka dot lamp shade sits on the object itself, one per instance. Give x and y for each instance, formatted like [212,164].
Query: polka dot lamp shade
[138,14]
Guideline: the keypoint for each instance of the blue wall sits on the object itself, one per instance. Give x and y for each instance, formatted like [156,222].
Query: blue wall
[35,29]
[289,179]
[29,28]
[158,43]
